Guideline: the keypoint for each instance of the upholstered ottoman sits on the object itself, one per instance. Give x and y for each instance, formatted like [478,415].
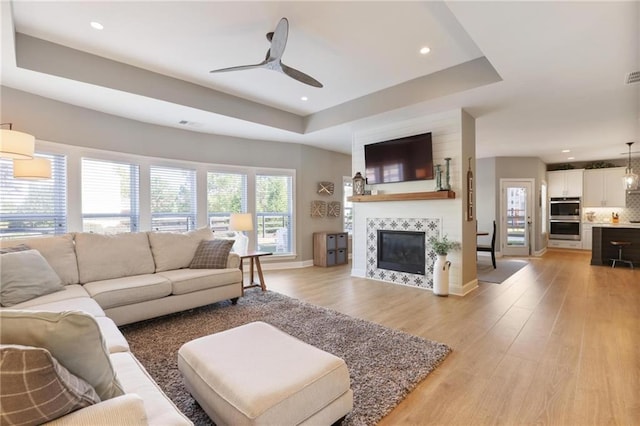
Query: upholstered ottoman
[256,374]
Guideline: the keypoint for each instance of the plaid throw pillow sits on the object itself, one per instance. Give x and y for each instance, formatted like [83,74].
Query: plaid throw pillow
[212,254]
[36,388]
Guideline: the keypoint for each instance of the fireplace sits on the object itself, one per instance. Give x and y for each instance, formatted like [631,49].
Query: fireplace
[428,227]
[402,251]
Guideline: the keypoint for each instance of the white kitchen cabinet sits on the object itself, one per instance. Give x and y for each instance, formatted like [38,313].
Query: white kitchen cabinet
[603,188]
[568,244]
[565,183]
[587,236]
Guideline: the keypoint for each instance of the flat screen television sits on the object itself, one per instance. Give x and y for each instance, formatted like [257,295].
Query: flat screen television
[399,160]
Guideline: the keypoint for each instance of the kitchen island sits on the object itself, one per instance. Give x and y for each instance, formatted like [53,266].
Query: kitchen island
[602,251]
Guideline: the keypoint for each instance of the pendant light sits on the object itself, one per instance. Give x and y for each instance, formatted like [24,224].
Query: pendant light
[630,179]
[35,169]
[14,144]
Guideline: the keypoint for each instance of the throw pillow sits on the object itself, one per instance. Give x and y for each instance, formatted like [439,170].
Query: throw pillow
[36,388]
[174,250]
[13,249]
[25,275]
[212,254]
[72,337]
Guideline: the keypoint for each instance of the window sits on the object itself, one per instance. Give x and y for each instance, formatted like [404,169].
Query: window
[274,212]
[226,194]
[109,197]
[173,199]
[347,189]
[33,207]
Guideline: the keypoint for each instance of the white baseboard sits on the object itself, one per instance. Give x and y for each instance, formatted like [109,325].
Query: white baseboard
[360,273]
[271,266]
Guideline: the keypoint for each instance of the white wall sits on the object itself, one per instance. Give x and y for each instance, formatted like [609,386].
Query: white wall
[453,135]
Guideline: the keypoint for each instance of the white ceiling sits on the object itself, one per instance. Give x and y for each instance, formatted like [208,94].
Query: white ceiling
[538,76]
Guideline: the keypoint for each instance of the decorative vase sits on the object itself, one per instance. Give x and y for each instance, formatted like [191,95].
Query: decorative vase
[441,276]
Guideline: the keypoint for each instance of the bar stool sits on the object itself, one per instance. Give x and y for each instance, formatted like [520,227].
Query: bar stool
[620,245]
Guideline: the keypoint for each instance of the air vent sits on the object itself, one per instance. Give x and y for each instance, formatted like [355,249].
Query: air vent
[190,123]
[183,122]
[633,77]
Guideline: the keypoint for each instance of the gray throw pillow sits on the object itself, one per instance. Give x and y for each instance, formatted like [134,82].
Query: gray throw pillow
[25,275]
[212,254]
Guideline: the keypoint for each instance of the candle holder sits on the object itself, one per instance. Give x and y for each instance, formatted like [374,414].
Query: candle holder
[438,177]
[447,184]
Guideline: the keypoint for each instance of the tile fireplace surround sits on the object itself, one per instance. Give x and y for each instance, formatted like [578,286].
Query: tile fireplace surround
[431,227]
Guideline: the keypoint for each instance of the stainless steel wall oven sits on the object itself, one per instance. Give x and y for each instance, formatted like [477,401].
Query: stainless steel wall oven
[564,218]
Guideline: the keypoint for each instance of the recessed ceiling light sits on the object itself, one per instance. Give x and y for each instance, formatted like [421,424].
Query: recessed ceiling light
[425,50]
[304,98]
[97,25]
[571,158]
[566,150]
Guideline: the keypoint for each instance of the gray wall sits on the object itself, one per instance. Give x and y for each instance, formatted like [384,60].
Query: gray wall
[489,173]
[59,122]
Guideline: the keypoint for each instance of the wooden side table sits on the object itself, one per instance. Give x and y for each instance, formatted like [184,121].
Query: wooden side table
[254,259]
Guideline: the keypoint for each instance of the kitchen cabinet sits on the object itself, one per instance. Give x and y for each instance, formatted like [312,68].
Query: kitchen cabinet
[567,244]
[587,236]
[603,188]
[330,248]
[565,183]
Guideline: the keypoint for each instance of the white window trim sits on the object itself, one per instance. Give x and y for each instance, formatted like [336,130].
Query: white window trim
[74,183]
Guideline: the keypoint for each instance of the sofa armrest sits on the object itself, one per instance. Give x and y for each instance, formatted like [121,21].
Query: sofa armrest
[125,410]
[233,261]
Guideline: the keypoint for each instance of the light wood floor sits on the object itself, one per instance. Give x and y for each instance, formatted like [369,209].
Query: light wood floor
[558,343]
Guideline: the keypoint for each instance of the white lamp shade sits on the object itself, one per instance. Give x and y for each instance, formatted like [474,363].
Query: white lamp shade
[16,145]
[36,168]
[241,222]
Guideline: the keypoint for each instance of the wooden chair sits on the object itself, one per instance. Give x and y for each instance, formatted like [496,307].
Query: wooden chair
[492,248]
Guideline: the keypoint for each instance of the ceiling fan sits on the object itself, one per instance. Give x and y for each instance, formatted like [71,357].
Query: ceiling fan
[272,60]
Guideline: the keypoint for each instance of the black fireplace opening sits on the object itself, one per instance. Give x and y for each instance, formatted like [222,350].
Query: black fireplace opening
[402,251]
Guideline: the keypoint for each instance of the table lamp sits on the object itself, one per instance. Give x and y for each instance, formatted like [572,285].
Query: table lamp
[241,222]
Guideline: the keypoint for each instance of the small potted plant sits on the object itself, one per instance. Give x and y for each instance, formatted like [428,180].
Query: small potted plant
[442,247]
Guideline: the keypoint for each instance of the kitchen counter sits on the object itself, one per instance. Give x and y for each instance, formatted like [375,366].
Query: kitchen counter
[601,249]
[613,225]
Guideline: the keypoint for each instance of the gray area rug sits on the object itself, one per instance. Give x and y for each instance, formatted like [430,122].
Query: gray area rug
[505,269]
[384,364]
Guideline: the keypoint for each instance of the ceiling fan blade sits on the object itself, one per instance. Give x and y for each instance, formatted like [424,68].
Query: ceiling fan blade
[279,39]
[239,68]
[300,76]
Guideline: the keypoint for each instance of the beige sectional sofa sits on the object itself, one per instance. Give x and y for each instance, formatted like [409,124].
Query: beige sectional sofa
[118,280]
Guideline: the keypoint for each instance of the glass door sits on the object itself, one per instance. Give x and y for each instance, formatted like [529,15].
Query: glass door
[516,202]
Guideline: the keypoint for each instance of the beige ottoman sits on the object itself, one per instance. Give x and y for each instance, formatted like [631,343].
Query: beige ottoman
[258,375]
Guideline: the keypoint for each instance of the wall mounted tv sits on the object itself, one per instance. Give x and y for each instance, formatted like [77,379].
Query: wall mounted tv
[399,160]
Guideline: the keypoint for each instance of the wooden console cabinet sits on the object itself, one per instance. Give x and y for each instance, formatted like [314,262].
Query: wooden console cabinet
[330,248]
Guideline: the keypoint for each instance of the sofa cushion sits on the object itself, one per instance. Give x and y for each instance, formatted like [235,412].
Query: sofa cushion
[25,275]
[59,251]
[103,257]
[173,250]
[81,304]
[70,291]
[126,410]
[128,290]
[36,388]
[135,379]
[74,340]
[212,254]
[189,280]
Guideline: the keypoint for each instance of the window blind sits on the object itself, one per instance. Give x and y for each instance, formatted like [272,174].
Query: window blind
[110,198]
[33,207]
[173,199]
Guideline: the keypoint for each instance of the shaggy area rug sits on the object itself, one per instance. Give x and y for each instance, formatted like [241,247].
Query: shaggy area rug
[384,364]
